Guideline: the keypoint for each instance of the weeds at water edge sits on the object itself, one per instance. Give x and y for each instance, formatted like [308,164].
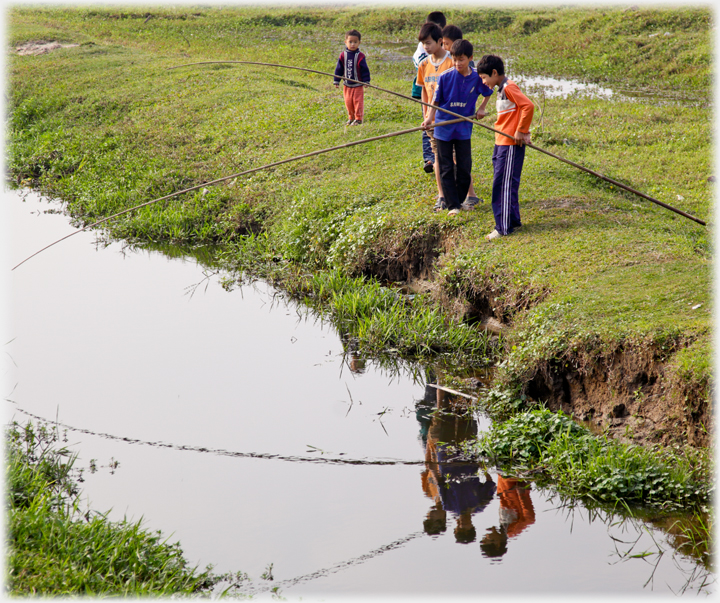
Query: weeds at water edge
[593,467]
[55,548]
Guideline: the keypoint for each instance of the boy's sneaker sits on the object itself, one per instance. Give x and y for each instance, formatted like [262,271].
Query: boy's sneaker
[473,200]
[429,167]
[453,212]
[357,122]
[470,203]
[440,204]
[350,122]
[493,235]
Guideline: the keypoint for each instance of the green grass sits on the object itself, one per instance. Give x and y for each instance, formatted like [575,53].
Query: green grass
[106,126]
[373,319]
[582,465]
[55,547]
[595,270]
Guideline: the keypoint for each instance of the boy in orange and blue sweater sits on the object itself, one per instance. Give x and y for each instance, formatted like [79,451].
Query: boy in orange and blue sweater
[514,116]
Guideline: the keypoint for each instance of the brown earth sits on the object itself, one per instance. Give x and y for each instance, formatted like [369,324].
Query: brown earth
[36,47]
[631,392]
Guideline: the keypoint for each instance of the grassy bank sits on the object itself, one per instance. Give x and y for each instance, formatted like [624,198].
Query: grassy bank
[604,298]
[580,464]
[57,548]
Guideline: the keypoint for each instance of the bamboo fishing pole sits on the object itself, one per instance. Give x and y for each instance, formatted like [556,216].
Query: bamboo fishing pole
[474,121]
[230,177]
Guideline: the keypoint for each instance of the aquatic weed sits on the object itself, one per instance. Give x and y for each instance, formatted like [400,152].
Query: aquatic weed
[582,464]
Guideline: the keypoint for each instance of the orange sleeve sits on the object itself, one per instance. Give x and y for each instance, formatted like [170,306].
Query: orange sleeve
[525,106]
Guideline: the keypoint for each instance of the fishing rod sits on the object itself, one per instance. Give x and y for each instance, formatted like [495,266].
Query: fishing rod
[230,177]
[474,121]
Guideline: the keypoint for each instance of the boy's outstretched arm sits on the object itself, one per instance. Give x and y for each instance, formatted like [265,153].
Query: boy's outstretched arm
[481,109]
[429,117]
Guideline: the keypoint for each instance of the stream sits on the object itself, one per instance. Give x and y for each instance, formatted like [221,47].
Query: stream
[234,422]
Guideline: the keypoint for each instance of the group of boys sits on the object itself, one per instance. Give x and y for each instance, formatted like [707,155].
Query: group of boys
[447,79]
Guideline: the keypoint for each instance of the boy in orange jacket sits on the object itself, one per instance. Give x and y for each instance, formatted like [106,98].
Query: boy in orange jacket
[514,116]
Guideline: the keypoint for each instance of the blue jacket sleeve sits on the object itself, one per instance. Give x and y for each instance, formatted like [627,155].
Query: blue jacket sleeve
[364,70]
[439,97]
[339,68]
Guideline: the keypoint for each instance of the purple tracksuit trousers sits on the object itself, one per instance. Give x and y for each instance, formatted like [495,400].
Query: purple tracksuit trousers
[507,165]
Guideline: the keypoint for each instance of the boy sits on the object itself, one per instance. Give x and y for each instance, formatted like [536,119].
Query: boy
[514,116]
[457,90]
[450,34]
[431,67]
[420,54]
[352,64]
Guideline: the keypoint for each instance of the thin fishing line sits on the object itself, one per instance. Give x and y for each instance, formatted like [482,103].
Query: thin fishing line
[474,121]
[234,454]
[253,588]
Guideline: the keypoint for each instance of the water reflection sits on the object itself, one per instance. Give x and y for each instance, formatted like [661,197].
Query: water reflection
[195,413]
[516,514]
[453,485]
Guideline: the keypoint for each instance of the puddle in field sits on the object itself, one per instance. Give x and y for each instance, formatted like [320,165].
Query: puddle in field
[543,87]
[243,430]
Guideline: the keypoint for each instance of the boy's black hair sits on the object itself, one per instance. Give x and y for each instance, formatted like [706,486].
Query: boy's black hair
[490,62]
[453,32]
[461,47]
[436,17]
[430,30]
[353,32]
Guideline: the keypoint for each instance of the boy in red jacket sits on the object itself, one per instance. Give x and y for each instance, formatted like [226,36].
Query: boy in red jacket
[514,116]
[352,64]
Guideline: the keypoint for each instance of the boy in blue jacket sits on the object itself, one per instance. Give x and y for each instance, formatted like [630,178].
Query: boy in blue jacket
[352,64]
[457,90]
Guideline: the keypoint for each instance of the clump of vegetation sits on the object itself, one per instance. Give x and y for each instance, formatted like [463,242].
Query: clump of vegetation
[374,319]
[54,547]
[594,467]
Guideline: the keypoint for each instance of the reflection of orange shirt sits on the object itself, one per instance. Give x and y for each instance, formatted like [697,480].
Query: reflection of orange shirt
[515,497]
[429,476]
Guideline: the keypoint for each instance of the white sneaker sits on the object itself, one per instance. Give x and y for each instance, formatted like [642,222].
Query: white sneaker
[493,235]
[453,212]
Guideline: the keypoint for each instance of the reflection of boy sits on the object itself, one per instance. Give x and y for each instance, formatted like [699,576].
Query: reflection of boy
[454,486]
[514,116]
[516,514]
[457,90]
[352,64]
[418,56]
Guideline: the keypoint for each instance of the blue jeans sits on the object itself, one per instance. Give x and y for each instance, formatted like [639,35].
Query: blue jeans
[428,155]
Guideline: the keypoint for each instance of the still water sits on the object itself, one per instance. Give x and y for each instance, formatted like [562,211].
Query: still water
[242,430]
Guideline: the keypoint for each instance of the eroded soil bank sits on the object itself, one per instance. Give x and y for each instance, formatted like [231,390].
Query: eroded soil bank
[635,388]
[602,302]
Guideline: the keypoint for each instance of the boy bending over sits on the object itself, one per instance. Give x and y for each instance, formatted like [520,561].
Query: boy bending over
[457,90]
[514,116]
